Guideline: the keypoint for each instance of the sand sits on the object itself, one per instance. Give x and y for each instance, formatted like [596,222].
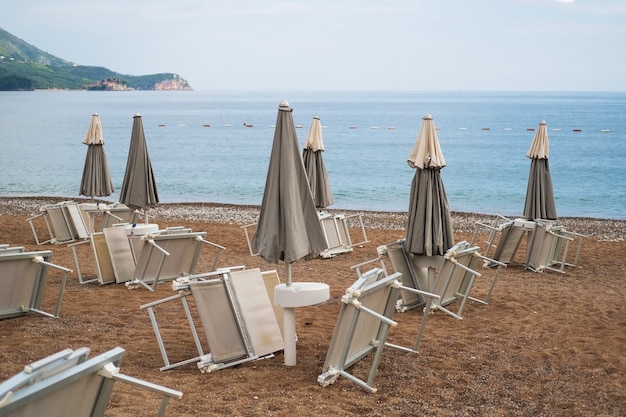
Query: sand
[547,344]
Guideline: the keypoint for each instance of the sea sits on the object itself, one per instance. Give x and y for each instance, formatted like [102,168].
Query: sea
[214,146]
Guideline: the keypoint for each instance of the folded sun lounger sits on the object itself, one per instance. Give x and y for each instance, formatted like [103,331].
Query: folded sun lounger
[23,280]
[235,314]
[365,316]
[69,383]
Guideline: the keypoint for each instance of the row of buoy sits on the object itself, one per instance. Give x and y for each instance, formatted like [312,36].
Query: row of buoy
[529,129]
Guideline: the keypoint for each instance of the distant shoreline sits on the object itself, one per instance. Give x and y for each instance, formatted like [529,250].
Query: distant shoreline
[601,229]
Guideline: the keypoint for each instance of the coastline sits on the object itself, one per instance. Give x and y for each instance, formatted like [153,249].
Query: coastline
[600,229]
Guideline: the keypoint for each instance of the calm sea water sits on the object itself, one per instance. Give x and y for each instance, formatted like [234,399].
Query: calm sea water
[367,135]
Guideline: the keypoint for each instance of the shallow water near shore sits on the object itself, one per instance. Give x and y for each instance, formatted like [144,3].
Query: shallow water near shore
[201,151]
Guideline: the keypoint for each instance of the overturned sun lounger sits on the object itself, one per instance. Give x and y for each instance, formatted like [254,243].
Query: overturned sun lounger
[547,245]
[434,283]
[68,383]
[365,316]
[144,260]
[336,232]
[548,248]
[63,222]
[236,315]
[23,280]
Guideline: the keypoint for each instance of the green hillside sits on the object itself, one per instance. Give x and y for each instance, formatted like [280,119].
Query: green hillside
[24,67]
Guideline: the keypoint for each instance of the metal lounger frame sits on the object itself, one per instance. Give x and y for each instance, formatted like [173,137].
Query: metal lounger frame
[549,248]
[365,316]
[68,383]
[23,279]
[64,223]
[222,314]
[169,255]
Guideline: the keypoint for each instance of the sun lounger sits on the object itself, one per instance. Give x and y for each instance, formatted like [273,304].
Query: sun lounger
[505,236]
[434,282]
[170,254]
[23,279]
[365,316]
[115,214]
[235,315]
[69,383]
[548,247]
[337,233]
[547,243]
[336,228]
[456,277]
[417,274]
[63,221]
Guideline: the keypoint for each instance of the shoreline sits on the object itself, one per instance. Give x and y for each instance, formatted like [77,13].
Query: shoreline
[462,222]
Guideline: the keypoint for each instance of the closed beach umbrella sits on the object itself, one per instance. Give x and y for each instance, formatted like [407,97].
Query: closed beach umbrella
[540,202]
[314,165]
[288,228]
[429,229]
[96,180]
[139,188]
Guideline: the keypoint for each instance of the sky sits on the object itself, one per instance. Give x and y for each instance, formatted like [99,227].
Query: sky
[286,45]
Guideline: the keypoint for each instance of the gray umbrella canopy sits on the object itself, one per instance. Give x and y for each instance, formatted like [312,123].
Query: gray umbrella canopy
[288,228]
[139,187]
[540,202]
[96,179]
[314,165]
[429,229]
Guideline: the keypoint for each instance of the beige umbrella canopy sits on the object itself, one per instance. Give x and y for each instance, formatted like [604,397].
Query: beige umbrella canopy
[540,202]
[139,187]
[96,179]
[315,167]
[429,229]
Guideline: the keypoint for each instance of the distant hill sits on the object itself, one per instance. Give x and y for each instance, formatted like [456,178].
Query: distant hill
[24,67]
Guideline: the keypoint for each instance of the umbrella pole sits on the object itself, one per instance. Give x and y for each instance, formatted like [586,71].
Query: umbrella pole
[288,273]
[289,325]
[145,216]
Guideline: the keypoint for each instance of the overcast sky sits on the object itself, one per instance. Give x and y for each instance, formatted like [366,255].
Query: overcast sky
[533,45]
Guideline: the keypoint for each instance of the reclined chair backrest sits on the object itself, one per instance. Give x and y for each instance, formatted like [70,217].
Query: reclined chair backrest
[69,384]
[23,279]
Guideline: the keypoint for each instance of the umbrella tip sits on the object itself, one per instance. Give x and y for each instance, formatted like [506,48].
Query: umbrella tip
[137,115]
[284,103]
[427,116]
[316,117]
[543,122]
[95,114]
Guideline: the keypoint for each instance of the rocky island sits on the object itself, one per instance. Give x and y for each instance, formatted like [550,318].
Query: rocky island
[24,67]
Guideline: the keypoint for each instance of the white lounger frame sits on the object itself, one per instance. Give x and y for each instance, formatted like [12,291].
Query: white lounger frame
[23,279]
[168,254]
[336,232]
[548,248]
[236,315]
[547,243]
[63,221]
[365,316]
[68,383]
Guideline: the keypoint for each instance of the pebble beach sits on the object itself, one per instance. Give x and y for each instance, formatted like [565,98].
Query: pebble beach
[601,229]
